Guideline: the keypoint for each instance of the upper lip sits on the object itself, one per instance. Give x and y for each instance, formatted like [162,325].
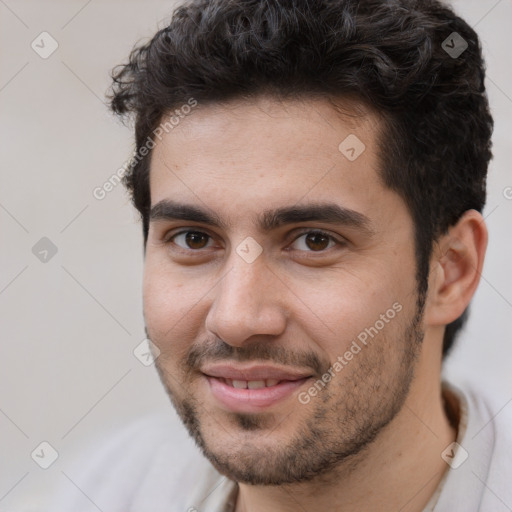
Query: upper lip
[253,372]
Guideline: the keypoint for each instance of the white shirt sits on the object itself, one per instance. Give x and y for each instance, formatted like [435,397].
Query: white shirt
[149,466]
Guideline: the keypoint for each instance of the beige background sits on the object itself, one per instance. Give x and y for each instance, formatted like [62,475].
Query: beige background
[70,325]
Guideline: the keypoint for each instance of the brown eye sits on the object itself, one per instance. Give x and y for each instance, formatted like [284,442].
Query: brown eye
[194,240]
[315,241]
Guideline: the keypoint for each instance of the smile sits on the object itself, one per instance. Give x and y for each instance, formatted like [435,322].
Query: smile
[252,388]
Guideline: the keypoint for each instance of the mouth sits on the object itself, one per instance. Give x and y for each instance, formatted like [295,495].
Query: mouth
[252,388]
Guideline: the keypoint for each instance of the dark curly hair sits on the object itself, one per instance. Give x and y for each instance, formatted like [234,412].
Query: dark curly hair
[392,55]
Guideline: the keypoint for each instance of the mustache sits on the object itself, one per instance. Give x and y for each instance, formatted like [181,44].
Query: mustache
[218,350]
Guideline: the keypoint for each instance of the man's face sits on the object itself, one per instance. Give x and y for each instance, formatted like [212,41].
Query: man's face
[284,350]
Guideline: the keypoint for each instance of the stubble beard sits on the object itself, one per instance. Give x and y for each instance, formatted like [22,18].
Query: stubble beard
[344,419]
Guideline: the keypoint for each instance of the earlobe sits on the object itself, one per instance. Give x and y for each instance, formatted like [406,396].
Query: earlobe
[456,269]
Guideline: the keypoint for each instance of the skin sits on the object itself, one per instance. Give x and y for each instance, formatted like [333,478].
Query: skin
[372,438]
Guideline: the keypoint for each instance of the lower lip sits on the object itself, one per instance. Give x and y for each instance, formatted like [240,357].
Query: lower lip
[252,400]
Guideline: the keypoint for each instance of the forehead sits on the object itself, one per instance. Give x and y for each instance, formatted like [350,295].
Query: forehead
[244,157]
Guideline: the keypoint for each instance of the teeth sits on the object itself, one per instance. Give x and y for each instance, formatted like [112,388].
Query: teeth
[251,384]
[256,384]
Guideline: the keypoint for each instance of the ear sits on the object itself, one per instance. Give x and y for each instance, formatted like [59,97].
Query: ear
[455,269]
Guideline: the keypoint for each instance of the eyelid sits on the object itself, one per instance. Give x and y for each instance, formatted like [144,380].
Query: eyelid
[167,238]
[171,234]
[337,239]
[303,231]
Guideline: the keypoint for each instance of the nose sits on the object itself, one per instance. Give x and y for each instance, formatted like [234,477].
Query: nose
[248,301]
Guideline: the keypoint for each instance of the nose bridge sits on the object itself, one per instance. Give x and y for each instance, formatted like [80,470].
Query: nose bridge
[245,287]
[245,302]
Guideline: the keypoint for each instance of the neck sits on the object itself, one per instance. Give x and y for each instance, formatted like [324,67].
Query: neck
[400,470]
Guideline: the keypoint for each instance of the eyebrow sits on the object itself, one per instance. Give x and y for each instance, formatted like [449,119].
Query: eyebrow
[329,213]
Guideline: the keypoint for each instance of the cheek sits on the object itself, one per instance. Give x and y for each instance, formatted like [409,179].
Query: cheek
[343,305]
[167,309]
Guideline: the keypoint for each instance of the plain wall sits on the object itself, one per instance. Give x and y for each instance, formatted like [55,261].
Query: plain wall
[70,325]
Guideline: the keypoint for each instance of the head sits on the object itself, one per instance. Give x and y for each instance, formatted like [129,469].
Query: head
[256,120]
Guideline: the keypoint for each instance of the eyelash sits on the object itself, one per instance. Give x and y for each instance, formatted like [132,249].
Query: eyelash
[168,240]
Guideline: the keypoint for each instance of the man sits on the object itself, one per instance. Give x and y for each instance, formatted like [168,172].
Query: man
[310,177]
